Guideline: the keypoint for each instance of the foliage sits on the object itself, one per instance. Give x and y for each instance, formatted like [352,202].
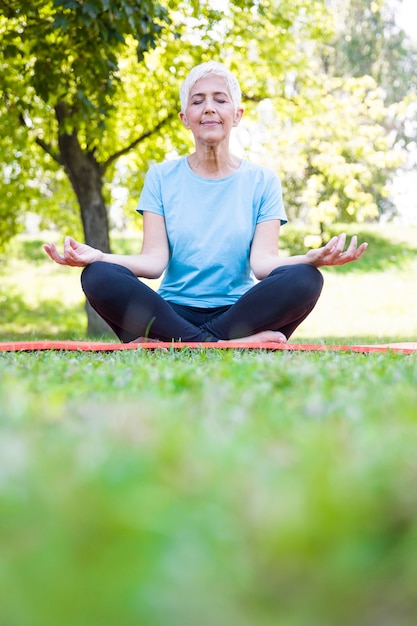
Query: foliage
[210,488]
[61,59]
[77,46]
[28,187]
[336,163]
[109,106]
[97,109]
[339,139]
[369,42]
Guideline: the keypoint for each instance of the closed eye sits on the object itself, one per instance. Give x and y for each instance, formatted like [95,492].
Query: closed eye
[218,100]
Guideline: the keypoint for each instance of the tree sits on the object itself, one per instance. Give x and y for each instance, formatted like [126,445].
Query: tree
[89,98]
[369,42]
[336,162]
[62,62]
[339,157]
[60,75]
[78,80]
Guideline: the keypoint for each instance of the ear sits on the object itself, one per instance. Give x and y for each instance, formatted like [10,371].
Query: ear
[184,120]
[238,116]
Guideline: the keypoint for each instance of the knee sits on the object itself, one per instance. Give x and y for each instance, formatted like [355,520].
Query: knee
[87,275]
[101,280]
[304,277]
[94,277]
[311,278]
[313,275]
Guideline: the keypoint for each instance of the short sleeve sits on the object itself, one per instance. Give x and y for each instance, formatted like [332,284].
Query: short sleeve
[271,205]
[151,196]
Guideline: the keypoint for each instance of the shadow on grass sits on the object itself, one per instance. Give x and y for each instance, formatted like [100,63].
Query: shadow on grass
[49,320]
[381,255]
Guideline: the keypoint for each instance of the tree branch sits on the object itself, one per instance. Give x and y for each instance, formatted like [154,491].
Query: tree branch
[9,11]
[247,98]
[48,149]
[137,141]
[40,142]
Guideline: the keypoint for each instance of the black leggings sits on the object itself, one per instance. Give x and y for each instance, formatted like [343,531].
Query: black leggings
[281,301]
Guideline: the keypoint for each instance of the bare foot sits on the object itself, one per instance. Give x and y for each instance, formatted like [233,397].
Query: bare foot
[265,336]
[144,340]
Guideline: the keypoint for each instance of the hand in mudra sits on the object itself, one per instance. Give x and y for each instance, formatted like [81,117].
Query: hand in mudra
[334,253]
[75,253]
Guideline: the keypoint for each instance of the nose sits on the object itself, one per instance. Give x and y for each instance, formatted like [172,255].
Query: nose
[210,106]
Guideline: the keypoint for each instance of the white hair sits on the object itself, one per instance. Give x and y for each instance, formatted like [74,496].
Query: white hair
[210,68]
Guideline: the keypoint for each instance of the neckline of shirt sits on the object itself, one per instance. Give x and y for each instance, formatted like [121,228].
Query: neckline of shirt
[213,180]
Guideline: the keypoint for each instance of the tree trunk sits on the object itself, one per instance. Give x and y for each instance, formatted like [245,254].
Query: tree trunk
[85,175]
[86,179]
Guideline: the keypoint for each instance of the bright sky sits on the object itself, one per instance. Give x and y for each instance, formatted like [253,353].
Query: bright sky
[407,17]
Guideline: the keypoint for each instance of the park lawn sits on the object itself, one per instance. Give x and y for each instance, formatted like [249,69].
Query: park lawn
[211,487]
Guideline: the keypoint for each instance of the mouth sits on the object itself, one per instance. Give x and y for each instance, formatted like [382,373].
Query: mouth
[210,123]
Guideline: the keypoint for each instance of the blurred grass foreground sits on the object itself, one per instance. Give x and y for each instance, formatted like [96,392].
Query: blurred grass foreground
[210,488]
[213,488]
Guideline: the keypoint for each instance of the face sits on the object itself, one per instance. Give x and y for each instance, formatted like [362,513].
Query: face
[210,113]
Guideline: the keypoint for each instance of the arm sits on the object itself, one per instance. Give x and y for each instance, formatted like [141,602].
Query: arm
[264,255]
[150,263]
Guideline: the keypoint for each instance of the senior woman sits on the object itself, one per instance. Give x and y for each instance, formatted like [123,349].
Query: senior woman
[211,223]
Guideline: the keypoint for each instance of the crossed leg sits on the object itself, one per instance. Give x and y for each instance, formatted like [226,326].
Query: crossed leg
[277,304]
[269,311]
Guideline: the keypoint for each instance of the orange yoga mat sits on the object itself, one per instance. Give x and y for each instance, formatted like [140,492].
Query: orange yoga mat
[96,346]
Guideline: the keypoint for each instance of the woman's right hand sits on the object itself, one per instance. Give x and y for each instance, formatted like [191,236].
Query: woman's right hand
[75,253]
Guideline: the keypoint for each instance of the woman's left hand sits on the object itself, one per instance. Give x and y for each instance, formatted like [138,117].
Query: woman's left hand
[334,253]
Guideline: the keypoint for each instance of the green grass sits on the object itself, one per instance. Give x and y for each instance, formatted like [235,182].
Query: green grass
[210,488]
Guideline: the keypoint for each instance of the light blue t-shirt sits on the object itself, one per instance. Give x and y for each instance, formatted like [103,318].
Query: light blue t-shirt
[210,225]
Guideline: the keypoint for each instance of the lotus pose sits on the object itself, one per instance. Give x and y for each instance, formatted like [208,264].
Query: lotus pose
[211,224]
